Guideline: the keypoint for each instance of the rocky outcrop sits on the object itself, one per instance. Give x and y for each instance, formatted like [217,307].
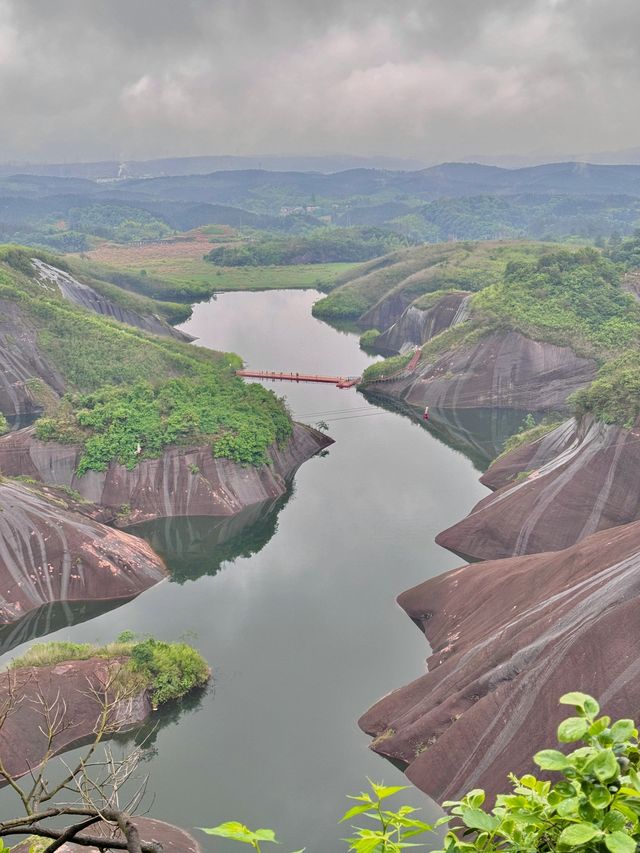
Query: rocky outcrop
[21,362]
[508,638]
[78,686]
[386,312]
[500,370]
[172,838]
[416,326]
[86,297]
[51,553]
[183,481]
[575,481]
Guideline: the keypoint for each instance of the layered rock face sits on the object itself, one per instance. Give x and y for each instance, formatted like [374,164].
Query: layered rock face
[86,297]
[501,370]
[21,362]
[577,480]
[49,553]
[78,686]
[508,638]
[416,326]
[183,481]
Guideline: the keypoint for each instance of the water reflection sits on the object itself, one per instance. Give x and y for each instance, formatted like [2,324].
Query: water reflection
[23,419]
[478,433]
[53,617]
[198,545]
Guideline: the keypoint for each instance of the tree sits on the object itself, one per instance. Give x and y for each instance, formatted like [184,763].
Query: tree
[89,793]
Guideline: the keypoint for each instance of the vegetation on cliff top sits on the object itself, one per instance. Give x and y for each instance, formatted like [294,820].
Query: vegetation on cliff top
[130,388]
[168,670]
[127,424]
[424,269]
[566,297]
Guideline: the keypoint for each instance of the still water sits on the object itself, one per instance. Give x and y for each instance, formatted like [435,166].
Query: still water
[293,603]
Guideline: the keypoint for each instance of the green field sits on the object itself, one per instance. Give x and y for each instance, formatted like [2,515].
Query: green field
[321,276]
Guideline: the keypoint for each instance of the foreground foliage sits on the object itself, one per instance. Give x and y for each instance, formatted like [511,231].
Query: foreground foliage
[591,804]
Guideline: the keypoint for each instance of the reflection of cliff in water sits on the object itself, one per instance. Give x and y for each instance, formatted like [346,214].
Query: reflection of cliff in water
[478,433]
[196,546]
[146,734]
[52,617]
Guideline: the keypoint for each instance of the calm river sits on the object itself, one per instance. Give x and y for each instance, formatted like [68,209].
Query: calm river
[295,610]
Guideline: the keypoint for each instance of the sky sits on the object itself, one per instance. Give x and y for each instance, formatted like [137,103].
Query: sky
[429,79]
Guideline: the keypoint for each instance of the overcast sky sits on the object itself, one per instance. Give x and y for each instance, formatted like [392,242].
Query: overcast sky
[432,79]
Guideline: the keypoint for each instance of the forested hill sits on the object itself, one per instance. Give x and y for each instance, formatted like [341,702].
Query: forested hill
[451,201]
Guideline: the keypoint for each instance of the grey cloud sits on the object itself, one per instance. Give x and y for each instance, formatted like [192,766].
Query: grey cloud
[435,79]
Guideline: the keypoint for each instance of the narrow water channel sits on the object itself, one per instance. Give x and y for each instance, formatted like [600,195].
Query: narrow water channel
[293,604]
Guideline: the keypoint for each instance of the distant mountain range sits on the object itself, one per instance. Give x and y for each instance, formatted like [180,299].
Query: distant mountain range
[449,201]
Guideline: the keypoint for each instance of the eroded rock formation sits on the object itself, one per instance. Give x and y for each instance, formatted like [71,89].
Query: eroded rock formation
[575,481]
[416,326]
[183,481]
[50,553]
[86,297]
[80,687]
[508,638]
[21,362]
[500,370]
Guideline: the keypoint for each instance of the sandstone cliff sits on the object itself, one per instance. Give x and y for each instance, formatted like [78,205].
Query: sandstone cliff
[50,553]
[183,481]
[86,297]
[575,481]
[508,638]
[500,370]
[418,325]
[20,363]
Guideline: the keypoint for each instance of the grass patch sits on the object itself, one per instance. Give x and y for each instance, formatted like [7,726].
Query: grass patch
[387,367]
[168,670]
[526,436]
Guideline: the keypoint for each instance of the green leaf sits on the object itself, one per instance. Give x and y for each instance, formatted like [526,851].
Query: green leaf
[620,842]
[382,791]
[356,810]
[582,701]
[569,807]
[265,835]
[600,797]
[604,765]
[239,832]
[551,759]
[578,834]
[613,821]
[477,819]
[623,730]
[571,729]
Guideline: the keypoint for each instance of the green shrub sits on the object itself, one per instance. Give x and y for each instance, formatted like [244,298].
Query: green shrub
[614,396]
[386,368]
[173,669]
[4,424]
[169,670]
[367,339]
[128,424]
